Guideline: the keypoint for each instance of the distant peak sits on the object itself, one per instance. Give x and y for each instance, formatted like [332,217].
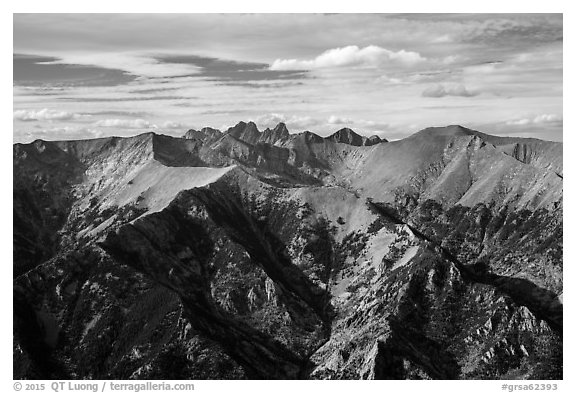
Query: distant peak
[374,140]
[209,129]
[242,126]
[272,136]
[204,133]
[281,127]
[348,136]
[251,124]
[247,132]
[281,131]
[451,130]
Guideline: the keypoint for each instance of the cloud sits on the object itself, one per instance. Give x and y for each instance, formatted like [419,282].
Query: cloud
[137,114]
[134,64]
[124,123]
[45,114]
[539,119]
[272,119]
[350,56]
[516,29]
[389,80]
[520,77]
[439,91]
[368,124]
[138,124]
[429,76]
[124,99]
[373,125]
[57,133]
[171,125]
[339,120]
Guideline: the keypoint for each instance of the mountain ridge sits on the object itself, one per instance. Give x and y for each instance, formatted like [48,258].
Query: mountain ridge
[324,259]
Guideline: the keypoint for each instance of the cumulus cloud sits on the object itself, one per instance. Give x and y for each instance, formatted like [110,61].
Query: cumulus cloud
[539,119]
[339,120]
[351,56]
[439,91]
[373,125]
[124,123]
[57,133]
[362,123]
[45,114]
[171,125]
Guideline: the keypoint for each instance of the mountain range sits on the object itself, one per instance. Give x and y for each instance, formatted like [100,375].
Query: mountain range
[269,255]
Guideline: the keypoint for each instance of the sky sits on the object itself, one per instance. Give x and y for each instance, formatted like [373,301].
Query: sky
[80,76]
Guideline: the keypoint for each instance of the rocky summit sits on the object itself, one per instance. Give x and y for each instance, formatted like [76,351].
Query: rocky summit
[269,255]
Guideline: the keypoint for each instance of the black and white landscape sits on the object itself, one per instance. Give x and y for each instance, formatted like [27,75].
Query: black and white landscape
[358,233]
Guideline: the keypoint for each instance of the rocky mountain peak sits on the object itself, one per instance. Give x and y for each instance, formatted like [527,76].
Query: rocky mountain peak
[374,140]
[204,134]
[279,132]
[282,129]
[246,132]
[348,136]
[252,125]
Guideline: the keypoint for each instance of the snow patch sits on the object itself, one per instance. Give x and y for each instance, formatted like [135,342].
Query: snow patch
[90,325]
[408,255]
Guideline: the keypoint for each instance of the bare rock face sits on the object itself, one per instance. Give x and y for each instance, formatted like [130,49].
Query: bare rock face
[246,132]
[279,133]
[205,134]
[272,255]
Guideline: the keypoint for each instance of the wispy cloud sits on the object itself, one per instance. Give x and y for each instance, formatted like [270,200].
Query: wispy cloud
[124,98]
[124,123]
[135,64]
[231,71]
[48,75]
[118,113]
[138,124]
[538,119]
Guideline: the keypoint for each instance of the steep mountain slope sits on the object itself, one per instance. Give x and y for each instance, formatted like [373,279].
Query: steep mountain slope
[43,177]
[455,165]
[251,254]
